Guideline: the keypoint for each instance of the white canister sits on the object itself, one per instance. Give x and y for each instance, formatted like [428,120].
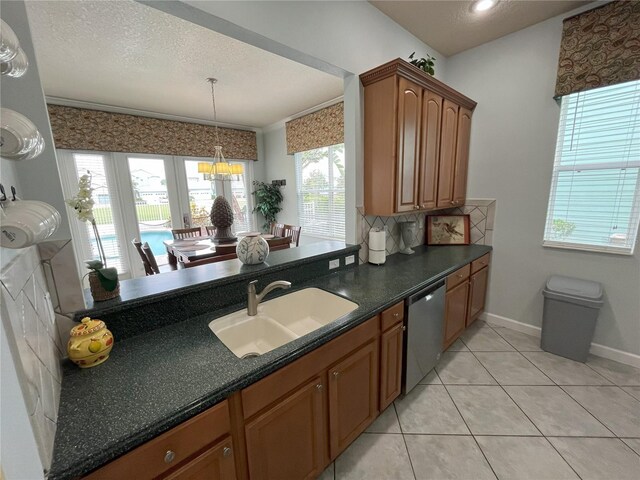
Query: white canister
[377,245]
[252,249]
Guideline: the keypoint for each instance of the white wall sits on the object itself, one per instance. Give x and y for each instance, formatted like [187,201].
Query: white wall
[280,166]
[344,38]
[512,150]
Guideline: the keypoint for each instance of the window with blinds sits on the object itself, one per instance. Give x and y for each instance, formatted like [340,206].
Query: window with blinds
[594,202]
[103,212]
[321,198]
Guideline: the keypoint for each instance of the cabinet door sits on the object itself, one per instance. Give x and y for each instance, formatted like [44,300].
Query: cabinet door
[462,157]
[430,149]
[288,440]
[217,463]
[455,312]
[447,153]
[390,365]
[353,396]
[477,294]
[409,113]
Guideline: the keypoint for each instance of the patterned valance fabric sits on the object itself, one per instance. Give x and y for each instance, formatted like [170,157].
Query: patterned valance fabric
[600,47]
[318,129]
[82,129]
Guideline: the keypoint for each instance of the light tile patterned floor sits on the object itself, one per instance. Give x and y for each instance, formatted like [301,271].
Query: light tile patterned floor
[496,406]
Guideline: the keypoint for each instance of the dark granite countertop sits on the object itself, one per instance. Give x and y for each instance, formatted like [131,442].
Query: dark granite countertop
[154,381]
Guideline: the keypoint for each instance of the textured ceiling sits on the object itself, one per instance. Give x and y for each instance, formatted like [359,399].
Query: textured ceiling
[451,26]
[125,54]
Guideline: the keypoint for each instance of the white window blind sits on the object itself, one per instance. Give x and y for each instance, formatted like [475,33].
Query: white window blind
[103,211]
[321,198]
[594,202]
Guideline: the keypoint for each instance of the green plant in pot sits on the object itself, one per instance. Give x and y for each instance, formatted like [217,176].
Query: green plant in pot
[425,64]
[107,276]
[268,199]
[103,281]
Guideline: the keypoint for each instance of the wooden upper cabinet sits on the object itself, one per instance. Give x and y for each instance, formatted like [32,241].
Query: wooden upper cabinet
[430,149]
[409,118]
[447,154]
[462,157]
[411,140]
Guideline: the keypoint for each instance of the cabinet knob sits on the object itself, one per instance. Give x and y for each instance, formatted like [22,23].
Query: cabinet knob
[336,374]
[404,328]
[319,387]
[453,203]
[169,456]
[226,452]
[396,315]
[416,207]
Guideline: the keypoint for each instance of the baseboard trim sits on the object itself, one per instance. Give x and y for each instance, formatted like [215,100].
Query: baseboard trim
[596,349]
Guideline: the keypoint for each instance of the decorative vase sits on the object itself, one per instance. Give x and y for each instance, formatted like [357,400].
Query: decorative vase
[90,343]
[252,249]
[407,231]
[222,219]
[98,292]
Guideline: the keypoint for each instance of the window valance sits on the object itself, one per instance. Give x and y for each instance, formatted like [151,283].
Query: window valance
[83,129]
[600,47]
[318,129]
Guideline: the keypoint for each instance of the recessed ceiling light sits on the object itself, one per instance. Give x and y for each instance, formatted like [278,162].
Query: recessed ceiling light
[484,5]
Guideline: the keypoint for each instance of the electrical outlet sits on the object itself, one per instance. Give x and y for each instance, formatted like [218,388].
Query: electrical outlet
[349,260]
[334,263]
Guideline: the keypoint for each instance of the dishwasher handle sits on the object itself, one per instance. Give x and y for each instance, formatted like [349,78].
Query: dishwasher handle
[424,293]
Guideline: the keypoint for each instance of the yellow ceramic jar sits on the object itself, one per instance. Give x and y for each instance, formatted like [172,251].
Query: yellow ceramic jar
[90,343]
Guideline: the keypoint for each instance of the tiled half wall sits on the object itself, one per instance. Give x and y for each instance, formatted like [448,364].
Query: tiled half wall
[481,214]
[35,341]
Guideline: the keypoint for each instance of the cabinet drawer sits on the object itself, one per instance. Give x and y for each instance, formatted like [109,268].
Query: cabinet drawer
[391,316]
[458,276]
[215,464]
[169,449]
[481,262]
[269,389]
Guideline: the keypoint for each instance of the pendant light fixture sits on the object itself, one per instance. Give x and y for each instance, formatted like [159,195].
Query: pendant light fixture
[218,168]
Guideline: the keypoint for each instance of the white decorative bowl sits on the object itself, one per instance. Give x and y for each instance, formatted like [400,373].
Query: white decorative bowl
[252,250]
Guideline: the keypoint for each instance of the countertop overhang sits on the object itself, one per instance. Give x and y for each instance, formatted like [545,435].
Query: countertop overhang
[157,380]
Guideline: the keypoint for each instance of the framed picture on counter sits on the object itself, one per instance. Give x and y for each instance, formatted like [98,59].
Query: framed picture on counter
[448,230]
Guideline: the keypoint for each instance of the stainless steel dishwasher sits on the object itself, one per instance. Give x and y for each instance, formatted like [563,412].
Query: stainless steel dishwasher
[423,334]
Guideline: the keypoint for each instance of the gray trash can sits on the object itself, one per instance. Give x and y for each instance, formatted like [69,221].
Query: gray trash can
[571,308]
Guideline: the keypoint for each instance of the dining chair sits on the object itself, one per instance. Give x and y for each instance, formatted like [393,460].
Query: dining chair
[277,229]
[279,243]
[294,232]
[146,250]
[180,233]
[211,230]
[205,261]
[225,249]
[145,261]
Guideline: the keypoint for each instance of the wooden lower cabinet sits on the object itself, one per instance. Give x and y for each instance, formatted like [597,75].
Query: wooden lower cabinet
[455,312]
[477,294]
[217,463]
[353,396]
[391,346]
[288,440]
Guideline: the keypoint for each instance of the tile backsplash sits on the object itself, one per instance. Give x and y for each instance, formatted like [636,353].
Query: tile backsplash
[35,341]
[481,214]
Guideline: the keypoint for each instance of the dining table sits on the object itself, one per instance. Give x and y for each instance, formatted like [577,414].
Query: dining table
[183,251]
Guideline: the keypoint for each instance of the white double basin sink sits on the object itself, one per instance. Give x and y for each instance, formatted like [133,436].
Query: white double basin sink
[279,321]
